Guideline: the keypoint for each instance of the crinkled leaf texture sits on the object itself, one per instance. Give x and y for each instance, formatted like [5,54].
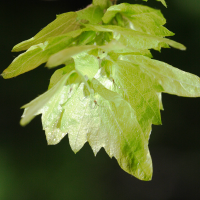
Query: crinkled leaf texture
[109,92]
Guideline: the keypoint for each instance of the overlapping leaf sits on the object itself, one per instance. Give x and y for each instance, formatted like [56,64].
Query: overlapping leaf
[102,3]
[139,90]
[172,80]
[39,54]
[64,23]
[106,125]
[139,18]
[135,39]
[36,55]
[33,108]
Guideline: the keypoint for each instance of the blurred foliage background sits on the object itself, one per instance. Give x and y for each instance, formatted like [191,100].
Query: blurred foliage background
[29,169]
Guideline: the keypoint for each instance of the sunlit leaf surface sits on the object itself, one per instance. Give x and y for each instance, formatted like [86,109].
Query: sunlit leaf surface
[109,92]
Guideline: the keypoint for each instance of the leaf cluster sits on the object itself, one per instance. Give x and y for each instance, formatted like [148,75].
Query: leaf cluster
[108,91]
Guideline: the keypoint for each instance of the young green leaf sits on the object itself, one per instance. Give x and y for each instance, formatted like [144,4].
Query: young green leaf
[34,107]
[63,56]
[139,18]
[58,74]
[123,139]
[39,54]
[87,65]
[87,37]
[172,80]
[135,39]
[163,2]
[104,4]
[51,115]
[36,55]
[138,89]
[92,14]
[64,23]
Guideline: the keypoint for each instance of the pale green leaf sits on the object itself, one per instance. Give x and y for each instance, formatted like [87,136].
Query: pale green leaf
[163,2]
[135,39]
[139,18]
[138,89]
[86,37]
[62,56]
[34,107]
[126,51]
[52,114]
[92,13]
[64,23]
[58,74]
[36,55]
[86,64]
[173,80]
[104,4]
[103,124]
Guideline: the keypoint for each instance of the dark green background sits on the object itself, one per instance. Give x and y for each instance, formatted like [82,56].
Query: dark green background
[29,169]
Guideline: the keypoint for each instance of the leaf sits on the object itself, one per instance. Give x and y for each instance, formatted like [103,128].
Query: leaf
[35,56]
[62,56]
[92,123]
[58,74]
[137,88]
[172,80]
[163,2]
[64,23]
[126,51]
[92,13]
[52,114]
[39,54]
[139,18]
[104,4]
[86,64]
[86,37]
[135,39]
[34,107]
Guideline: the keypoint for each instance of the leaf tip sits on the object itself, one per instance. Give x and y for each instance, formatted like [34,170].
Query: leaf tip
[4,75]
[22,122]
[183,48]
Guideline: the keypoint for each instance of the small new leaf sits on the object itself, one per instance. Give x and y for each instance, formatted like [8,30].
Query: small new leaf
[64,23]
[86,119]
[34,107]
[139,18]
[135,39]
